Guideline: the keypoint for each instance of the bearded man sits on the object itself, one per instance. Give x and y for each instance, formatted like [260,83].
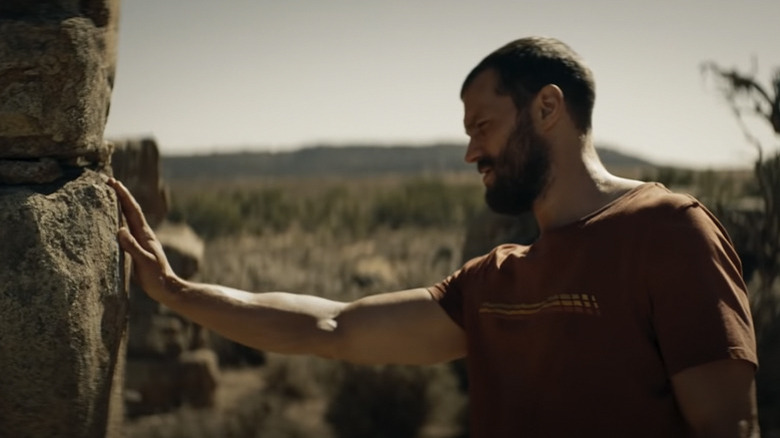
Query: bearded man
[627,317]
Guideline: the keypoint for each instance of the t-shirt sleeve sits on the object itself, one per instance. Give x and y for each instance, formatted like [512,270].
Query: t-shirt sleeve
[699,305]
[450,296]
[450,292]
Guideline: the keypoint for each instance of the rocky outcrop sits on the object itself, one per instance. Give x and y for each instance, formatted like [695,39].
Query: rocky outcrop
[156,386]
[155,332]
[183,247]
[169,361]
[63,307]
[136,162]
[56,75]
[63,295]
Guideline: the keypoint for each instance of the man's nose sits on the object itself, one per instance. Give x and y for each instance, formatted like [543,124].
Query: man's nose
[473,152]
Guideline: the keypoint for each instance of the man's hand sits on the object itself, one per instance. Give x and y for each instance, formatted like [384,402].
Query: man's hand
[150,265]
[404,327]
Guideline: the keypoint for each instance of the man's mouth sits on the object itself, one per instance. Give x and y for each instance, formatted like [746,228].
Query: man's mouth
[484,166]
[486,172]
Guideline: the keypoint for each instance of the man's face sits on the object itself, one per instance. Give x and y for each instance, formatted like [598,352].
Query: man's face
[521,170]
[511,156]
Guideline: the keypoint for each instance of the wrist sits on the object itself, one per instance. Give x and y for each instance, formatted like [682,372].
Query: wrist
[173,289]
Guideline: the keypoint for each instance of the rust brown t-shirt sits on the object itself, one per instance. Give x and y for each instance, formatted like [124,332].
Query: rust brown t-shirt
[578,334]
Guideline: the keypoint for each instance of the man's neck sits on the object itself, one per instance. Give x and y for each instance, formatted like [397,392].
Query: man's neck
[579,185]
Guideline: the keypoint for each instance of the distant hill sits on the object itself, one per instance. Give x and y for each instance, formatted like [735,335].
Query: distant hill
[343,161]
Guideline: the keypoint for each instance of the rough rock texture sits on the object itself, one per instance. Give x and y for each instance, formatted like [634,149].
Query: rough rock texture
[136,162]
[63,308]
[183,247]
[57,63]
[156,386]
[41,171]
[168,364]
[63,300]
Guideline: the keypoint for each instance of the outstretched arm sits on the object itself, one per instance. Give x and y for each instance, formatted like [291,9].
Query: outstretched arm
[718,399]
[406,327]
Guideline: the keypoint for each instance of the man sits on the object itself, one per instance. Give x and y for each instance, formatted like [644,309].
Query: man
[627,317]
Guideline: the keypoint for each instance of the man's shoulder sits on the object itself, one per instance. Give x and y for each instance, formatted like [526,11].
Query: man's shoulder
[498,255]
[656,195]
[660,211]
[654,201]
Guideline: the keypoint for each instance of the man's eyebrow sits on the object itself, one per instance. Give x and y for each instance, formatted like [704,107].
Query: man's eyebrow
[470,122]
[469,127]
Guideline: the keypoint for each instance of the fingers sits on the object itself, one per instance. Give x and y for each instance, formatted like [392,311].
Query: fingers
[139,228]
[137,238]
[130,244]
[149,269]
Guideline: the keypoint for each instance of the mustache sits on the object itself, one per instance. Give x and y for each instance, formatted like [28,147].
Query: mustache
[485,163]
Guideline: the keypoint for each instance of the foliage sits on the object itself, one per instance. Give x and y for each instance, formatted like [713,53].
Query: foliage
[296,392]
[341,206]
[746,96]
[386,402]
[758,229]
[670,176]
[256,416]
[761,229]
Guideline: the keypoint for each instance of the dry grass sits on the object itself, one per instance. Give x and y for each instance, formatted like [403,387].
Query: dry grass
[296,396]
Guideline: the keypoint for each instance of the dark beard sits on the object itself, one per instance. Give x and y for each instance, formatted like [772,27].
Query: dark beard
[520,172]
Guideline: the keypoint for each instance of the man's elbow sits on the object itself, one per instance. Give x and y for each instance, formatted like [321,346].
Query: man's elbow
[720,428]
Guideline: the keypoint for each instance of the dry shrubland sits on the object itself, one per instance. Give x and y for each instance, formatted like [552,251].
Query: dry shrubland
[343,238]
[339,239]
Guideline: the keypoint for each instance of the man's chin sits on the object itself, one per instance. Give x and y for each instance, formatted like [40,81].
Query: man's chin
[506,205]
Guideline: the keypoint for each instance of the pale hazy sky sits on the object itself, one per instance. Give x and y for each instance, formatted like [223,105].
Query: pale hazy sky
[206,76]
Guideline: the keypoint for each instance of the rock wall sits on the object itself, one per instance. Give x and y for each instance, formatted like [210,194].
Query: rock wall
[169,360]
[63,290]
[136,162]
[63,307]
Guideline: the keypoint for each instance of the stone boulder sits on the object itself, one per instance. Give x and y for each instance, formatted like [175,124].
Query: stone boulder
[63,308]
[154,330]
[56,75]
[183,247]
[157,386]
[168,362]
[136,162]
[63,295]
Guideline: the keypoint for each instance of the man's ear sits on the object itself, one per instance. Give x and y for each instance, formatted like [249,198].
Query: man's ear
[548,107]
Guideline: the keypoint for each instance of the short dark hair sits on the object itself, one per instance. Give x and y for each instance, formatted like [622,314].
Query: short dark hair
[526,65]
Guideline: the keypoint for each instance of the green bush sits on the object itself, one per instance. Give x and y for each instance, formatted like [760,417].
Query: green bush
[382,402]
[426,203]
[210,214]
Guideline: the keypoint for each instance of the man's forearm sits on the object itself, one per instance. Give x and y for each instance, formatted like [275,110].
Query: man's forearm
[272,321]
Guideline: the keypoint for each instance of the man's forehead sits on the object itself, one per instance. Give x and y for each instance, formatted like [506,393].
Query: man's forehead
[484,84]
[480,97]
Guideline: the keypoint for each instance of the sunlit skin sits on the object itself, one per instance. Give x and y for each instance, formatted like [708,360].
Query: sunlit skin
[578,183]
[517,176]
[717,399]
